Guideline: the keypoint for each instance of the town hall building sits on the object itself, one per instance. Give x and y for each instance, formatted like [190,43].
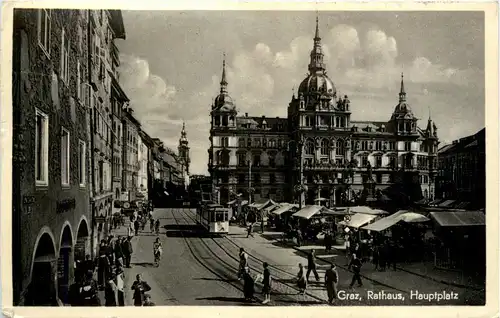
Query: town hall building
[316,154]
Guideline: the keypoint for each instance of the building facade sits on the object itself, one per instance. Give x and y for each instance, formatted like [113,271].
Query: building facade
[317,153]
[118,101]
[105,26]
[130,157]
[52,151]
[462,171]
[143,162]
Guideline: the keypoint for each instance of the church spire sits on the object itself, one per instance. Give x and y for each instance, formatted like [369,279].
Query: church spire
[316,64]
[402,93]
[183,139]
[223,81]
[316,36]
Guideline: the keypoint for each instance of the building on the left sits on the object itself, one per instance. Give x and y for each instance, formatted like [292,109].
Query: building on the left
[63,70]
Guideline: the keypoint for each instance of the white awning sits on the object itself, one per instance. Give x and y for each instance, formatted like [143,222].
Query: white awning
[465,218]
[308,211]
[262,204]
[285,207]
[387,222]
[358,219]
[366,210]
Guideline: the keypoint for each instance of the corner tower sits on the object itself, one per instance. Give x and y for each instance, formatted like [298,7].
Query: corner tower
[183,148]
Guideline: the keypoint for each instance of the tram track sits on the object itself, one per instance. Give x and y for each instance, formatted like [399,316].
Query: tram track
[258,267]
[262,259]
[233,269]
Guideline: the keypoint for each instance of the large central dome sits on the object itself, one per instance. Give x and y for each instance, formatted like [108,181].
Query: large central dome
[317,81]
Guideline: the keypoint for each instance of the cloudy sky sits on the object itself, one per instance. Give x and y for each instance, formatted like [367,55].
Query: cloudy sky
[171,66]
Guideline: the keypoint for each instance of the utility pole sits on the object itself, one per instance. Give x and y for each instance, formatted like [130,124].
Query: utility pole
[249,182]
[301,175]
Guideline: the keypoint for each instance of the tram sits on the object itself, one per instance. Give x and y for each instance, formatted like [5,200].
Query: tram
[213,217]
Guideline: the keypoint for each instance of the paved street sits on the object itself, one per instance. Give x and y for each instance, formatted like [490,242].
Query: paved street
[195,270]
[198,270]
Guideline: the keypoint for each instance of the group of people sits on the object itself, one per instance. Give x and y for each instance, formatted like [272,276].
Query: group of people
[138,223]
[114,255]
[331,277]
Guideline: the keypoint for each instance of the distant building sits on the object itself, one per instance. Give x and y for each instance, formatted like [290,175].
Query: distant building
[143,161]
[183,151]
[130,154]
[317,153]
[462,171]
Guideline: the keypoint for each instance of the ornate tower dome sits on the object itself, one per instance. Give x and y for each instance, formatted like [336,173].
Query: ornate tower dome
[317,82]
[223,102]
[402,109]
[183,148]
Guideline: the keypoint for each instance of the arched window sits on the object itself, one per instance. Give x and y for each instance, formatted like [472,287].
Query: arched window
[309,147]
[324,147]
[339,148]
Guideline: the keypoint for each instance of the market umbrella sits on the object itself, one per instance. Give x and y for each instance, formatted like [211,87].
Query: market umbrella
[411,217]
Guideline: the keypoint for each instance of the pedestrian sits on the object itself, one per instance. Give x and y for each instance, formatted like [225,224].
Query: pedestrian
[311,265]
[347,239]
[74,293]
[298,233]
[147,300]
[110,292]
[119,252]
[151,224]
[120,286]
[331,281]
[157,251]
[136,227]
[127,251]
[356,269]
[157,226]
[262,222]
[376,256]
[243,263]
[87,265]
[328,240]
[103,269]
[266,282]
[301,280]
[88,291]
[248,285]
[249,230]
[393,252]
[139,287]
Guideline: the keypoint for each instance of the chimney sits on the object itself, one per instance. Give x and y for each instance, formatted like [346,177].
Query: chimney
[246,114]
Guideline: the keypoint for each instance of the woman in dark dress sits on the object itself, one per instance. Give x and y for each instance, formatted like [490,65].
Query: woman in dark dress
[248,286]
[266,282]
[301,280]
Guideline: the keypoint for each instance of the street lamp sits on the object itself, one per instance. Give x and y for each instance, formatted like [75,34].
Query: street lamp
[249,181]
[300,188]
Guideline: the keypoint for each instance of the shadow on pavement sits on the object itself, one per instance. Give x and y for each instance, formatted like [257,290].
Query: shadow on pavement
[217,279]
[272,236]
[182,227]
[228,299]
[143,264]
[201,234]
[302,302]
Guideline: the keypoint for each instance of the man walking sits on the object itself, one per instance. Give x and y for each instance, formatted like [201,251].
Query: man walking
[120,286]
[139,287]
[331,281]
[356,268]
[243,263]
[311,265]
[127,251]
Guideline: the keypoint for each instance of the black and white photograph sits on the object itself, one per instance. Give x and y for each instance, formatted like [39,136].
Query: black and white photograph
[254,158]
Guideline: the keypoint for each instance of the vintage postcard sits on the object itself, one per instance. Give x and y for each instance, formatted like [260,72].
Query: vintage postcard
[240,159]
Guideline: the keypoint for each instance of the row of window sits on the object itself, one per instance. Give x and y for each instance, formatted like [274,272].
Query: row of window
[339,122]
[42,153]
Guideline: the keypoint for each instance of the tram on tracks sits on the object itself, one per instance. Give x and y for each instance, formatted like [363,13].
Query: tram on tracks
[213,217]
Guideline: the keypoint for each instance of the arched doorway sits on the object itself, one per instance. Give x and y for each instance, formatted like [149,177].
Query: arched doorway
[82,246]
[65,264]
[42,288]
